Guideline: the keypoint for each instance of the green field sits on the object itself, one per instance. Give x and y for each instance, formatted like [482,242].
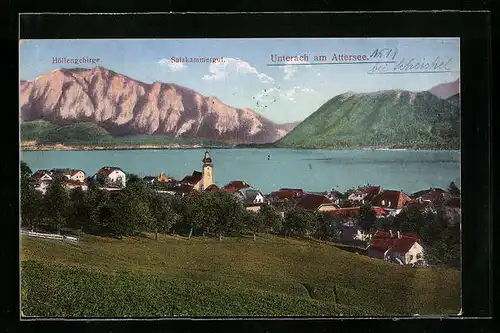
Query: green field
[174,276]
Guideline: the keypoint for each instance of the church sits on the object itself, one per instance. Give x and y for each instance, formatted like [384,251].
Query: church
[201,180]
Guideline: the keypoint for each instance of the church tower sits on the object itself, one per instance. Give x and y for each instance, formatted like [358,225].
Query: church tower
[207,171]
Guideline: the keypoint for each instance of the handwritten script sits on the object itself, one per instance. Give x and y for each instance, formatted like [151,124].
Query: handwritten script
[387,63]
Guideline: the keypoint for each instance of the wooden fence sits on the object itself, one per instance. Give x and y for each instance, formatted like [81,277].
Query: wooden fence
[50,236]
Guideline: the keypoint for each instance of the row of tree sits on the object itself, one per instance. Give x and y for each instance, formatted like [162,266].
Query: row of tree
[139,208]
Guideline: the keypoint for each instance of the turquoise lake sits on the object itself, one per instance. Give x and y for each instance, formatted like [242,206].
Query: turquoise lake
[310,169]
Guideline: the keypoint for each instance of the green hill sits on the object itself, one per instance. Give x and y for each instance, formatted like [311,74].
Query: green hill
[86,133]
[36,129]
[272,276]
[76,133]
[392,118]
[455,99]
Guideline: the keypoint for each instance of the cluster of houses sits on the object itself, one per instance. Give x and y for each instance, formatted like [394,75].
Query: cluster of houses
[113,178]
[389,246]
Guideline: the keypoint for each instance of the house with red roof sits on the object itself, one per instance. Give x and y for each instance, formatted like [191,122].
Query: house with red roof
[334,196]
[111,176]
[236,185]
[349,227]
[355,211]
[364,194]
[212,188]
[194,180]
[316,202]
[41,180]
[391,201]
[431,195]
[70,174]
[286,194]
[396,247]
[42,175]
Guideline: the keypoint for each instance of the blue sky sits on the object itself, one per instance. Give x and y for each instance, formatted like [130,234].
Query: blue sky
[280,93]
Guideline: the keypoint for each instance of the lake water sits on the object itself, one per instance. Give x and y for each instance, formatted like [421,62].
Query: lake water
[311,170]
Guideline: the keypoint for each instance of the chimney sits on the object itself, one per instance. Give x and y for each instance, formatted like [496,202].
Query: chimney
[399,235]
[390,232]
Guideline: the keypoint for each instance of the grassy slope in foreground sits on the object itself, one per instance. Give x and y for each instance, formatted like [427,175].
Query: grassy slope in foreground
[236,277]
[384,119]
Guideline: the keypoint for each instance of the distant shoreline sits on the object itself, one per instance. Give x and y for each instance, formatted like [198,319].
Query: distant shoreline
[62,147]
[97,147]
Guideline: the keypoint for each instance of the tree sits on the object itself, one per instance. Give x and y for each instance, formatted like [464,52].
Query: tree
[25,170]
[79,213]
[56,205]
[164,214]
[193,212]
[453,189]
[326,226]
[255,223]
[367,217]
[31,199]
[133,178]
[298,222]
[272,220]
[99,212]
[130,214]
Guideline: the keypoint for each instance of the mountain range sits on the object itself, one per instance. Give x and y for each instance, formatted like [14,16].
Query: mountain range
[446,90]
[122,106]
[94,106]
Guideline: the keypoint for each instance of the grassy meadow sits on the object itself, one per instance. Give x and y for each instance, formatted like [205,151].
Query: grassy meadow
[174,276]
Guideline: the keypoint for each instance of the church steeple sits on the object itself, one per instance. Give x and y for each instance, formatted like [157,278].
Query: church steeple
[207,160]
[207,171]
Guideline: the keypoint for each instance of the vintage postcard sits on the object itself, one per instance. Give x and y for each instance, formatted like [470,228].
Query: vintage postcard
[277,177]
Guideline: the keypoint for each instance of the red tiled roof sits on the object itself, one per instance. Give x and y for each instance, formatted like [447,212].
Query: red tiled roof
[344,211]
[40,173]
[397,199]
[425,193]
[355,211]
[298,190]
[370,191]
[237,184]
[312,201]
[382,241]
[70,172]
[419,205]
[230,189]
[453,202]
[193,179]
[107,170]
[212,187]
[287,193]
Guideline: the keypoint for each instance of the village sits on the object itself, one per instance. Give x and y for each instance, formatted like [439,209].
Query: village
[390,245]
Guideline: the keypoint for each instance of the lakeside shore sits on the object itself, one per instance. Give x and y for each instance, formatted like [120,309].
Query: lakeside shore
[30,146]
[90,147]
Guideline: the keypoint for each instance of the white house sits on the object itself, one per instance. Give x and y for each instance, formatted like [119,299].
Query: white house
[112,175]
[395,247]
[349,231]
[364,194]
[70,174]
[42,180]
[42,176]
[250,196]
[392,201]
